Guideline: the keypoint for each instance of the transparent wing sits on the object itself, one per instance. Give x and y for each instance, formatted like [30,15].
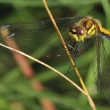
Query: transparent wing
[101,68]
[36,38]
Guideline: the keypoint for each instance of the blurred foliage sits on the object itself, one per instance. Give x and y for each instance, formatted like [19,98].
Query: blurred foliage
[15,89]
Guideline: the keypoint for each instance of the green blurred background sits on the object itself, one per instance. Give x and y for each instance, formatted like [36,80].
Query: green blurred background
[16,91]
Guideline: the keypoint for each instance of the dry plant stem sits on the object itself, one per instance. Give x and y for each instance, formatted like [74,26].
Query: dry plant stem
[21,60]
[28,71]
[69,55]
[46,103]
[42,63]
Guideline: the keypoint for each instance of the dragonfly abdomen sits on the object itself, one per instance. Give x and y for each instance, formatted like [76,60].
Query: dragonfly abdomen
[105,33]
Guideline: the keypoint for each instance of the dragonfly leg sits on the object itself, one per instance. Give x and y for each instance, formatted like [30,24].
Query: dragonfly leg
[74,48]
[68,69]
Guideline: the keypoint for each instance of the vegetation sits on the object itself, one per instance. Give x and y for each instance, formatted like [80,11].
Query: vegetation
[31,86]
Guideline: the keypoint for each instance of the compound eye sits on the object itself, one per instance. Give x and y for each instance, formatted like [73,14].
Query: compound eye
[79,30]
[72,26]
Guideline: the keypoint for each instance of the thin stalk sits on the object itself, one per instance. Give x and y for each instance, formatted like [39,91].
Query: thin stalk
[44,64]
[70,57]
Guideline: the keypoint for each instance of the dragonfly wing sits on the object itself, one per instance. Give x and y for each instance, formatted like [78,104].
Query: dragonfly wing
[101,68]
[36,38]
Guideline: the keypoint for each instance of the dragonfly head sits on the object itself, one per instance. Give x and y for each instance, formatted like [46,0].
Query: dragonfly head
[77,32]
[85,28]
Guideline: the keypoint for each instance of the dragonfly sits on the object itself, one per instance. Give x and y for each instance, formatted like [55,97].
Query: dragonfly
[39,38]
